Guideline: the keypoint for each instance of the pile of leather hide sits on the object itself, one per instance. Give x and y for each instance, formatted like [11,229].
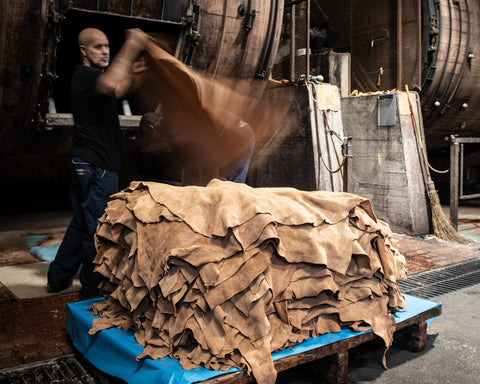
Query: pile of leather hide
[223,275]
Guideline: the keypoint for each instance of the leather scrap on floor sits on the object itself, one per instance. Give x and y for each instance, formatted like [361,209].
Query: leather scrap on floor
[223,275]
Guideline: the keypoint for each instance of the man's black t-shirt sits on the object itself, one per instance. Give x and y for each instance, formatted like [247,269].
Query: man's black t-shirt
[97,137]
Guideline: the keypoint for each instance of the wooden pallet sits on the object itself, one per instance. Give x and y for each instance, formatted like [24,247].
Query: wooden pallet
[114,351]
[411,333]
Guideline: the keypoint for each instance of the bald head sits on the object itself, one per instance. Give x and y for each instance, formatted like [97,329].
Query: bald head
[94,48]
[87,35]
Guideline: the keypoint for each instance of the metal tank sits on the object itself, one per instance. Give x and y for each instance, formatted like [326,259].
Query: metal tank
[38,51]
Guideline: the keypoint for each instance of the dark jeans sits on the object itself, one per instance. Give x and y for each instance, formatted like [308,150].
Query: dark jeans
[240,165]
[90,190]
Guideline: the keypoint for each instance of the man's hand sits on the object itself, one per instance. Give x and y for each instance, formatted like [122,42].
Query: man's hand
[136,38]
[118,78]
[139,66]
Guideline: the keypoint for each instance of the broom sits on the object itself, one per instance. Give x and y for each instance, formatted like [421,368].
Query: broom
[442,226]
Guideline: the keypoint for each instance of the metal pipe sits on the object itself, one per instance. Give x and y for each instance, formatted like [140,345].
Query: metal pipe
[292,43]
[399,45]
[307,32]
[460,174]
[454,154]
[267,50]
[419,38]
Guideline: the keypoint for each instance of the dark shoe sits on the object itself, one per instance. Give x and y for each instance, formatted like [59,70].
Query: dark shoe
[54,288]
[89,293]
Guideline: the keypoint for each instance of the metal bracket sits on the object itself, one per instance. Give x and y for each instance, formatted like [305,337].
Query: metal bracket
[249,14]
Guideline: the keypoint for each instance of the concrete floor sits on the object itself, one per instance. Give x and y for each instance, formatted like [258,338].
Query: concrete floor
[450,357]
[452,352]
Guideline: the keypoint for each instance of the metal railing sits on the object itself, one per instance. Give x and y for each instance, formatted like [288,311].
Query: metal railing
[456,174]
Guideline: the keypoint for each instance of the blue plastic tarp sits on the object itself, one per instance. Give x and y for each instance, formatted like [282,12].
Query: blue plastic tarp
[43,252]
[114,351]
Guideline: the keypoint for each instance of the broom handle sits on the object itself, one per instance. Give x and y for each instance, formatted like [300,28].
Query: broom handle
[420,141]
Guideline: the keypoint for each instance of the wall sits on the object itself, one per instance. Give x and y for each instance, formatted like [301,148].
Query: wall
[386,167]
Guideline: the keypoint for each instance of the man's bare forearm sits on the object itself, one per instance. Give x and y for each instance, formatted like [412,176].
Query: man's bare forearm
[118,77]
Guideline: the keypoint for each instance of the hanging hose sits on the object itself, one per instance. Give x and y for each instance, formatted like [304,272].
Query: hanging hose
[331,133]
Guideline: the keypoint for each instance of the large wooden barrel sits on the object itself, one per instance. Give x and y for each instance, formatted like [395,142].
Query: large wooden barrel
[438,52]
[450,92]
[238,38]
[38,51]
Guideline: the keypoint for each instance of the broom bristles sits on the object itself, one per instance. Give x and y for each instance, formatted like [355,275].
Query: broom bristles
[442,226]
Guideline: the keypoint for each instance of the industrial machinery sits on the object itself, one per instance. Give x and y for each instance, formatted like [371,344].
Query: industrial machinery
[430,45]
[39,51]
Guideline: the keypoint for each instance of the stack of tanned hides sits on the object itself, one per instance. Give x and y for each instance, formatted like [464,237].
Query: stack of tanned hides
[223,275]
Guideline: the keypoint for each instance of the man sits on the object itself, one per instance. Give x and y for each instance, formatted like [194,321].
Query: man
[96,151]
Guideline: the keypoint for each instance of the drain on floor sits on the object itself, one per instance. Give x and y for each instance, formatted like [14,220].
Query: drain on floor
[444,280]
[68,369]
